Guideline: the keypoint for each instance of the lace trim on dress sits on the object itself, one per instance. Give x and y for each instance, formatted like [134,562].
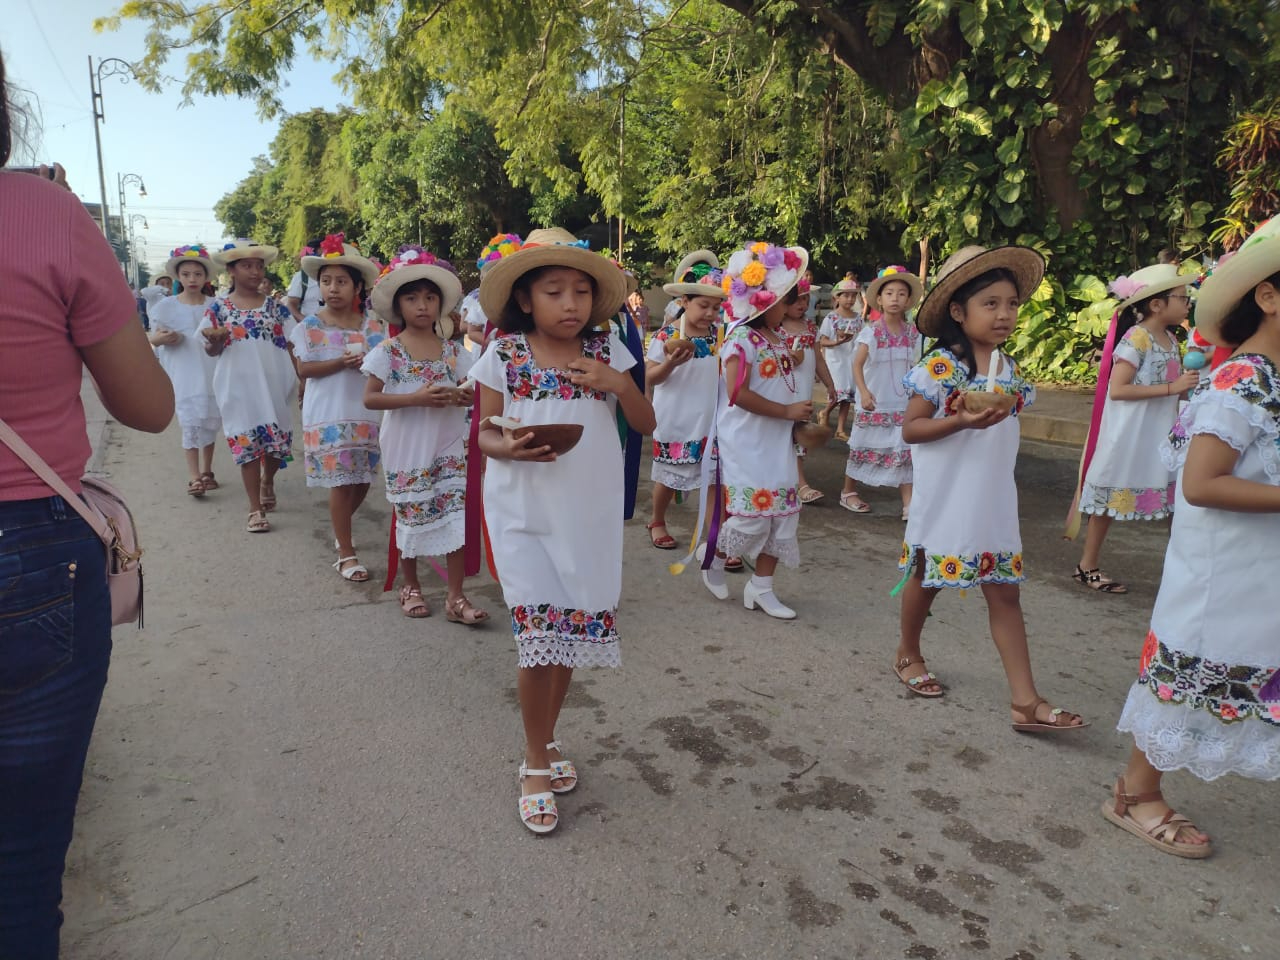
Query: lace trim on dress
[437,539]
[737,543]
[674,480]
[1219,413]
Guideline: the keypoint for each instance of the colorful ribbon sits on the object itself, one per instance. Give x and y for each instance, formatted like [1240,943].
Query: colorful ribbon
[633,441]
[1072,529]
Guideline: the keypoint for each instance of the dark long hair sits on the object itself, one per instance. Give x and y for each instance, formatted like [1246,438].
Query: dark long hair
[1243,320]
[788,298]
[1135,313]
[514,320]
[357,279]
[950,334]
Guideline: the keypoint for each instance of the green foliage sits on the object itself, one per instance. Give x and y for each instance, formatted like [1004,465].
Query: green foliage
[1251,158]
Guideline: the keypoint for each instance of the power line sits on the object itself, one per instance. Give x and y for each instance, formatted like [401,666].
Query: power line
[49,47]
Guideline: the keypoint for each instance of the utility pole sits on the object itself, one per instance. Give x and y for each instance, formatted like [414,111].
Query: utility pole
[115,67]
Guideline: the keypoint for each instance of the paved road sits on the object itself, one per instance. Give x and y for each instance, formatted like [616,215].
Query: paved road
[286,767]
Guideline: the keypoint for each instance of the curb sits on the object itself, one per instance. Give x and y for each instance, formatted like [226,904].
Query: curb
[1054,429]
[97,424]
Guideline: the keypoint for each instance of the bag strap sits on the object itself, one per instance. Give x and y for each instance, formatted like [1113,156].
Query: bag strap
[46,473]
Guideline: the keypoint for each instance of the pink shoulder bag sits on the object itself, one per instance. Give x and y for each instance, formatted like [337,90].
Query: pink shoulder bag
[109,516]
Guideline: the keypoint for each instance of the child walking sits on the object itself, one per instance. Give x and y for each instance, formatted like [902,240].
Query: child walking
[801,334]
[1207,696]
[759,409]
[175,322]
[885,350]
[339,434]
[963,530]
[555,519]
[416,378]
[839,329]
[254,376]
[1139,383]
[683,368]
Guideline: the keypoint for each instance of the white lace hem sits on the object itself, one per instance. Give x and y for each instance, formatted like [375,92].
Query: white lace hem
[876,476]
[1219,413]
[735,543]
[554,649]
[437,540]
[683,477]
[198,411]
[196,436]
[332,480]
[1178,737]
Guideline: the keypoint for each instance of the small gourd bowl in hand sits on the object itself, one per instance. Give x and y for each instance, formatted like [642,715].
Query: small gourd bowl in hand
[560,437]
[675,344]
[978,401]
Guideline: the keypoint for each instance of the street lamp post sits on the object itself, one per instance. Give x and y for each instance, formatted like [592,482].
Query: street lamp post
[133,255]
[123,180]
[114,66]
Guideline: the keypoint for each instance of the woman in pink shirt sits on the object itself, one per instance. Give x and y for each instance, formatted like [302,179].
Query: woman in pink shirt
[66,307]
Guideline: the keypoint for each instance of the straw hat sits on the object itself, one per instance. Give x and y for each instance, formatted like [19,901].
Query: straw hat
[243,249]
[758,276]
[845,286]
[888,275]
[553,247]
[1026,265]
[192,253]
[697,275]
[335,250]
[1257,259]
[411,263]
[1147,282]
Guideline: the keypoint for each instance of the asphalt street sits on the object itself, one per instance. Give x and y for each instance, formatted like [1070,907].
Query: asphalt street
[284,766]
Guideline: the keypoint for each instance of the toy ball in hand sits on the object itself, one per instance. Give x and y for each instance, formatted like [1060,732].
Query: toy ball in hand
[1195,360]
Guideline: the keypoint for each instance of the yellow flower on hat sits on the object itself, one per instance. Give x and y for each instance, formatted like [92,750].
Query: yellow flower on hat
[758,248]
[754,273]
[726,283]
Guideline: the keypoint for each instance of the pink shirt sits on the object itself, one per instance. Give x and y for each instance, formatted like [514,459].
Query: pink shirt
[61,288]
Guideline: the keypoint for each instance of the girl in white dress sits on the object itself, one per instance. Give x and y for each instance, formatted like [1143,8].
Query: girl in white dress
[801,334]
[339,434]
[1207,697]
[835,337]
[963,530]
[555,520]
[1126,479]
[175,324]
[884,351]
[416,377]
[254,378]
[686,385]
[760,406]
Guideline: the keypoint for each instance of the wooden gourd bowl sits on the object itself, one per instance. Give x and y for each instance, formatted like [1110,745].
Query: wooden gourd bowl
[976,401]
[675,343]
[560,437]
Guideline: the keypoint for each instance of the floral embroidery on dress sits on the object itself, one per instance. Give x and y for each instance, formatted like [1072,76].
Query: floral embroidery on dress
[878,418]
[426,478]
[760,502]
[679,451]
[964,571]
[417,513]
[262,323]
[269,439]
[404,369]
[1250,376]
[887,459]
[320,334]
[526,380]
[802,341]
[942,378]
[346,451]
[528,621]
[909,337]
[772,360]
[702,346]
[1230,692]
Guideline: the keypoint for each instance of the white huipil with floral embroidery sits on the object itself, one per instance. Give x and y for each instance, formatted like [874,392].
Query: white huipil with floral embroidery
[964,508]
[1127,478]
[339,433]
[840,357]
[254,379]
[757,454]
[556,527]
[424,459]
[685,407]
[877,454]
[190,369]
[1207,697]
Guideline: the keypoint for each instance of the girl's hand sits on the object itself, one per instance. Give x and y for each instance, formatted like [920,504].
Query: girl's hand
[681,353]
[598,376]
[352,361]
[797,357]
[215,333]
[800,412]
[868,401]
[464,396]
[980,421]
[1189,380]
[517,448]
[433,395]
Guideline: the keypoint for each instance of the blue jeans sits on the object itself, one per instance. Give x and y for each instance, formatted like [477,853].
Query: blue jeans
[55,646]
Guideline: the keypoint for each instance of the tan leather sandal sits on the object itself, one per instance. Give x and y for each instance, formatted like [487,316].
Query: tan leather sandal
[1059,720]
[914,684]
[462,610]
[412,605]
[258,522]
[1161,832]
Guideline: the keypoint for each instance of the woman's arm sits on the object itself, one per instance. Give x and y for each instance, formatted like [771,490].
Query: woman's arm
[133,386]
[1207,480]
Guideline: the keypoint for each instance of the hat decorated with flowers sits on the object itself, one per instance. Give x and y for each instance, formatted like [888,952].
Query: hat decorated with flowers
[1147,282]
[845,286]
[335,250]
[244,249]
[757,276]
[889,275]
[191,253]
[698,275]
[498,247]
[1234,278]
[410,263]
[553,247]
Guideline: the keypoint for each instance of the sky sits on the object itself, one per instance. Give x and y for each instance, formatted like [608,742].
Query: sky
[187,157]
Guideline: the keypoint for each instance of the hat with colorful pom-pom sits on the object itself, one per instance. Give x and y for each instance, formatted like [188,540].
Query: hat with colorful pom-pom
[553,247]
[242,249]
[499,246]
[334,251]
[1235,277]
[697,275]
[758,276]
[191,253]
[890,275]
[411,262]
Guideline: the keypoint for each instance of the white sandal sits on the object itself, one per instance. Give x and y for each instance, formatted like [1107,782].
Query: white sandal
[538,804]
[352,573]
[562,770]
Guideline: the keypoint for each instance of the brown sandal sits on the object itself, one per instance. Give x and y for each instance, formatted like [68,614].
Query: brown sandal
[196,487]
[914,684]
[209,480]
[1095,579]
[1160,832]
[465,612]
[664,542]
[267,496]
[1029,723]
[412,605]
[258,522]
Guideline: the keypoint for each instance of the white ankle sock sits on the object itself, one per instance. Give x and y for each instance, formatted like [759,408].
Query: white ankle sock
[715,575]
[762,584]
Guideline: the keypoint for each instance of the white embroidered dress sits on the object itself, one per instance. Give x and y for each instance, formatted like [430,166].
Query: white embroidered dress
[556,527]
[424,459]
[877,454]
[1207,697]
[339,434]
[840,358]
[1127,478]
[685,407]
[190,369]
